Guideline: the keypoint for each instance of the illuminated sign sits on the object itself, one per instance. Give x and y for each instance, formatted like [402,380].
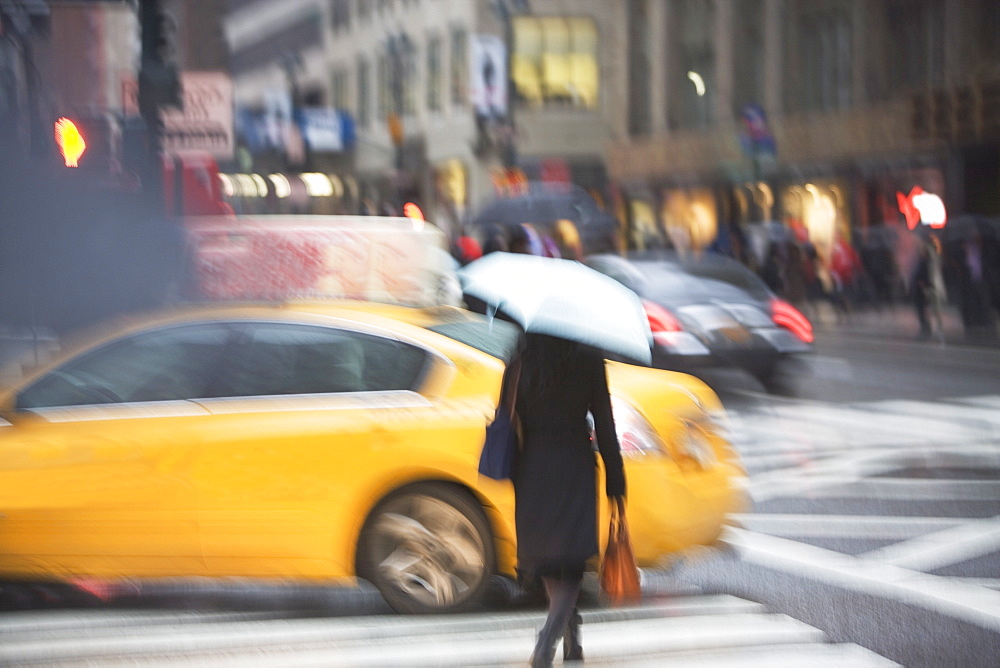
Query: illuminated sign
[922,207]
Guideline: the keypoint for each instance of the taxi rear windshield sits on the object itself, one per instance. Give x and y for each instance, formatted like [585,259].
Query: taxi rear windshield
[494,337]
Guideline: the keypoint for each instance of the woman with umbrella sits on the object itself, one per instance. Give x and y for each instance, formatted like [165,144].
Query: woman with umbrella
[572,316]
[555,480]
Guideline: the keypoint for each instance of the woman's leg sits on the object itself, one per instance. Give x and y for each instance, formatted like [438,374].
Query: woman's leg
[563,595]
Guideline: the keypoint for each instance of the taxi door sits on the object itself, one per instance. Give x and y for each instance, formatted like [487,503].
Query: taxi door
[96,460]
[290,437]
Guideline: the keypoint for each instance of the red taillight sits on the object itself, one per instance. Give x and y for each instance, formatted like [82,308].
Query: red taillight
[660,319]
[788,316]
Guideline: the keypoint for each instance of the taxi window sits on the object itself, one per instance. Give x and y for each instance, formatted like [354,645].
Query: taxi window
[280,359]
[173,363]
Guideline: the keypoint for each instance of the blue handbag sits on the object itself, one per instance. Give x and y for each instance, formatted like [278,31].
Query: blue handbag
[502,444]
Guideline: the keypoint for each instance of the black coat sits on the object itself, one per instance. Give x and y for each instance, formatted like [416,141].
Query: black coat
[556,479]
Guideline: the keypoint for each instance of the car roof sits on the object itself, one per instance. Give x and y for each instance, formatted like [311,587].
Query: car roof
[676,278]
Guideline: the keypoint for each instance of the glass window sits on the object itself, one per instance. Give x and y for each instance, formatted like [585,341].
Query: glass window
[364,9]
[692,83]
[640,117]
[493,337]
[169,364]
[459,68]
[748,65]
[364,109]
[384,75]
[818,57]
[278,359]
[554,60]
[434,74]
[340,14]
[409,85]
[339,86]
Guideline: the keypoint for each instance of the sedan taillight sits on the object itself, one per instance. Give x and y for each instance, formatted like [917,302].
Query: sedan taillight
[788,316]
[660,319]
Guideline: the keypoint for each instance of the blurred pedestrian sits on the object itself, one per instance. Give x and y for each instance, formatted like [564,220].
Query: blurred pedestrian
[567,238]
[525,239]
[496,241]
[556,479]
[920,286]
[844,268]
[975,289]
[466,249]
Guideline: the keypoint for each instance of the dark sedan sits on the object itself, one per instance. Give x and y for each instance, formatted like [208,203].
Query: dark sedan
[709,310]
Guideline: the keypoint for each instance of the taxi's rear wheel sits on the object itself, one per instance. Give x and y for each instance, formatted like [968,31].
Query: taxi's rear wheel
[428,548]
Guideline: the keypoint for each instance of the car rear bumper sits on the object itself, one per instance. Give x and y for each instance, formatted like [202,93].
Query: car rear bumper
[758,353]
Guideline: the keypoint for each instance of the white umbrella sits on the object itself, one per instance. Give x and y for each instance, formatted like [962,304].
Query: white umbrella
[562,298]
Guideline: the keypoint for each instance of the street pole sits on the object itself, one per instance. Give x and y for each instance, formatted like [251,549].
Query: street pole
[159,87]
[149,107]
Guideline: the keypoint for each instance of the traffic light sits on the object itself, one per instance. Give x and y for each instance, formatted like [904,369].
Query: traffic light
[90,142]
[70,142]
[159,77]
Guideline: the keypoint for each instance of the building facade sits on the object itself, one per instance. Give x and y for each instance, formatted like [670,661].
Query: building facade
[816,115]
[446,102]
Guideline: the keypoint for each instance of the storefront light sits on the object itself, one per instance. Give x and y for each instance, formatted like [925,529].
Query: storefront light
[226,183]
[245,185]
[317,185]
[282,188]
[260,183]
[352,188]
[337,184]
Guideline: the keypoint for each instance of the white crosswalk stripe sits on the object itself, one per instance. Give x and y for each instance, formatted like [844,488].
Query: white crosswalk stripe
[681,631]
[943,453]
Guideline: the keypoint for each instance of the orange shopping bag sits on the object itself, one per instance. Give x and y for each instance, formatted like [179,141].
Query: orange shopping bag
[619,575]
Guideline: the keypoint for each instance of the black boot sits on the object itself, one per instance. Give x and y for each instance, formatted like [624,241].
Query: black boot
[572,649]
[545,649]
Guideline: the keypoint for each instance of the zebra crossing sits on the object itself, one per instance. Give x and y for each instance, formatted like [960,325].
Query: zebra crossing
[692,630]
[915,484]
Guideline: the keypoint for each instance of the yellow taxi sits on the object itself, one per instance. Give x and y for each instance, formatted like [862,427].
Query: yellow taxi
[315,441]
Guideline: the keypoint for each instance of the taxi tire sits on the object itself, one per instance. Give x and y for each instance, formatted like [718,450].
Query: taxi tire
[424,511]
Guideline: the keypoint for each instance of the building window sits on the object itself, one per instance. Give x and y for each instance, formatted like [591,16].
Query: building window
[364,110]
[916,33]
[692,77]
[338,98]
[409,86]
[364,9]
[434,74]
[554,61]
[818,58]
[384,86]
[640,121]
[340,14]
[459,67]
[748,62]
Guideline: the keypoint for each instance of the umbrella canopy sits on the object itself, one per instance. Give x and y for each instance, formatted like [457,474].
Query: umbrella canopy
[562,298]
